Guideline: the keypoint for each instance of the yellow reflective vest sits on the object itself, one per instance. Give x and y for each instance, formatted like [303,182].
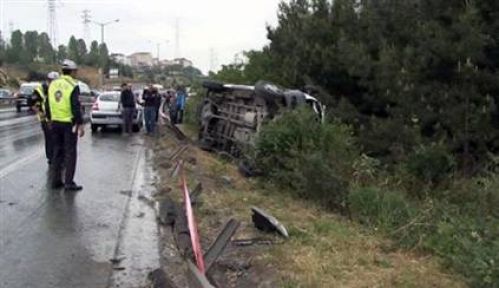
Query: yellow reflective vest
[60,99]
[41,105]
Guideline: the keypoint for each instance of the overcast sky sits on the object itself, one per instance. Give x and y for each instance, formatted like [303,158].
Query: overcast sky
[226,26]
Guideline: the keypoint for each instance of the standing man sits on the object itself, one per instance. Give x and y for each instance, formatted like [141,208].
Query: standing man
[127,103]
[40,97]
[64,111]
[181,98]
[151,99]
[172,106]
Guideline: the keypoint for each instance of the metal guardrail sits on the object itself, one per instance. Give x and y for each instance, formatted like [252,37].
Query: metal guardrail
[8,100]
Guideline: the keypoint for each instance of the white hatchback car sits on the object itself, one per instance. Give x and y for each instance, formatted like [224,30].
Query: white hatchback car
[105,112]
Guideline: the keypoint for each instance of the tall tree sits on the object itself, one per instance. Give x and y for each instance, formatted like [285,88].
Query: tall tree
[82,51]
[46,51]
[16,47]
[93,55]
[103,57]
[31,45]
[73,50]
[62,53]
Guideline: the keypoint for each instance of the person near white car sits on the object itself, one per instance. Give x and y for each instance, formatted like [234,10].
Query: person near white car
[127,105]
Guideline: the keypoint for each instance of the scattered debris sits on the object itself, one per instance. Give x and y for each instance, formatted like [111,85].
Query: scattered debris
[225,156]
[266,222]
[165,165]
[178,133]
[116,261]
[226,180]
[146,200]
[254,241]
[182,234]
[159,279]
[140,215]
[178,153]
[236,264]
[220,243]
[127,193]
[176,169]
[196,193]
[192,160]
[162,192]
[119,268]
[167,211]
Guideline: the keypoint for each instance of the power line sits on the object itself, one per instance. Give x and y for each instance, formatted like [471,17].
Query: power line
[86,24]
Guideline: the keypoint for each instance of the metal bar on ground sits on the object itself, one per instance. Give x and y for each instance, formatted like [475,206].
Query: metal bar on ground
[216,249]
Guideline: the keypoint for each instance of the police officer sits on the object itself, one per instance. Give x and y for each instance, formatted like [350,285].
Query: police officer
[40,96]
[64,112]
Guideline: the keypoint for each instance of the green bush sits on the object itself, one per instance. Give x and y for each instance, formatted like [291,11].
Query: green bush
[310,159]
[431,164]
[468,245]
[465,235]
[192,106]
[382,210]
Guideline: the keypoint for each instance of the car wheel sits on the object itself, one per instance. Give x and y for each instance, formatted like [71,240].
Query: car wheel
[94,128]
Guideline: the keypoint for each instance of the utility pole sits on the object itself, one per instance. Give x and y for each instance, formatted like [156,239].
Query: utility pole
[86,24]
[177,39]
[102,25]
[11,30]
[213,60]
[158,46]
[52,22]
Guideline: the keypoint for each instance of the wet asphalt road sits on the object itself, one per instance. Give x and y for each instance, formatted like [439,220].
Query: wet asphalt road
[49,238]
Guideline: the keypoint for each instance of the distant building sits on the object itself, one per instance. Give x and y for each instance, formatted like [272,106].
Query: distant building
[166,63]
[183,62]
[119,58]
[128,61]
[113,73]
[141,59]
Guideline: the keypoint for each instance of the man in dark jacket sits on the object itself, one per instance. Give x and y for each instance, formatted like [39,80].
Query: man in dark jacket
[151,100]
[127,105]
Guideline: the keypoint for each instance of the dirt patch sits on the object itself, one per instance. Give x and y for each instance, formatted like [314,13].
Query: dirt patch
[324,250]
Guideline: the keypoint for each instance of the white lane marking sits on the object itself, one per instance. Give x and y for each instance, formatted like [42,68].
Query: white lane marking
[20,163]
[14,121]
[7,110]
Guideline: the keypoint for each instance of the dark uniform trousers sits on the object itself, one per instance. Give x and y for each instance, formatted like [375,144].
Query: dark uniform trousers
[64,143]
[48,141]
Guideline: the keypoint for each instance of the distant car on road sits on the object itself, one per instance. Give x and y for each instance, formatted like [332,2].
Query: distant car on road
[5,93]
[24,97]
[86,99]
[105,112]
